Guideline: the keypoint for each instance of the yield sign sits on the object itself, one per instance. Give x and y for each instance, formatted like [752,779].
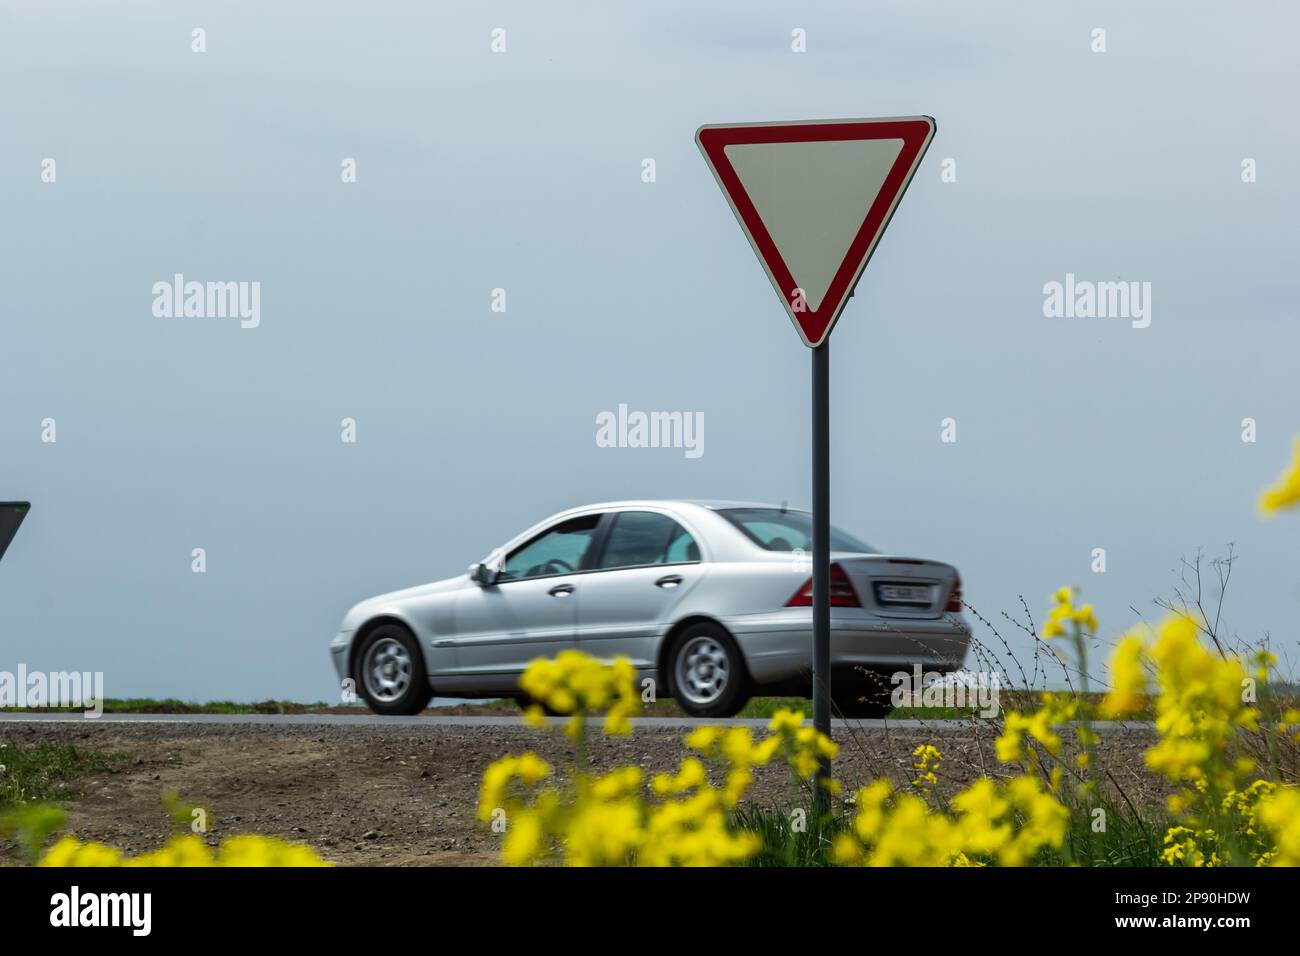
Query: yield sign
[814,198]
[11,516]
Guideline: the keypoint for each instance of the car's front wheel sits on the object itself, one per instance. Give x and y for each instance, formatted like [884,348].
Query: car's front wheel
[390,672]
[708,674]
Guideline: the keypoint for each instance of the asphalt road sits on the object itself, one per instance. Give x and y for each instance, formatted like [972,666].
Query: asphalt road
[425,722]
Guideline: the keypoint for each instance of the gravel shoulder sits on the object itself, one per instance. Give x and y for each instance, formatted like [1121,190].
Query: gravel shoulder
[406,795]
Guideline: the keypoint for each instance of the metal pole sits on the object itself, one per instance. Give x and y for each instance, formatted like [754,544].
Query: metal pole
[821,547]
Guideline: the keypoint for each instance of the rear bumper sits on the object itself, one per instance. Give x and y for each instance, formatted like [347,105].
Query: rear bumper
[778,645]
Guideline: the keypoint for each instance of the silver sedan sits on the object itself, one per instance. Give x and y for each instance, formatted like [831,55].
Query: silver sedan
[711,601]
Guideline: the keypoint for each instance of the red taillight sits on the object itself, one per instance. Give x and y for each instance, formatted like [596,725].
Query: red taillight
[842,593]
[954,599]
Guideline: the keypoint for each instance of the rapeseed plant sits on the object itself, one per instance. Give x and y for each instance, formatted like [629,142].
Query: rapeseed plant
[188,850]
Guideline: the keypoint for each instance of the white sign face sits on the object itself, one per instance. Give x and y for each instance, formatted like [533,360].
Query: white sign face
[814,199]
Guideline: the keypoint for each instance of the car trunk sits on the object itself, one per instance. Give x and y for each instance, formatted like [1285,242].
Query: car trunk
[900,587]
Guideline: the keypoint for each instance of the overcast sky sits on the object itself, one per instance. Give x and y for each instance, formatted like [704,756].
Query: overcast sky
[523,171]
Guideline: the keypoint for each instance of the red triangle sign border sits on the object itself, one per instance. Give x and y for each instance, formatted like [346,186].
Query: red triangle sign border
[916,132]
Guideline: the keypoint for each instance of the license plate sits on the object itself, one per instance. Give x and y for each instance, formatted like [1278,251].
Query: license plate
[912,595]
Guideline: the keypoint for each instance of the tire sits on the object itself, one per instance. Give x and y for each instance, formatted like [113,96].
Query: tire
[390,673]
[706,672]
[861,696]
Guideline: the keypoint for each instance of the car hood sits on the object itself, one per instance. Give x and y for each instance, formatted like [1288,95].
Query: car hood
[361,612]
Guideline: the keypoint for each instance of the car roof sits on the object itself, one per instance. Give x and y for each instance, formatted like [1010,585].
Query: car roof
[713,504]
[696,510]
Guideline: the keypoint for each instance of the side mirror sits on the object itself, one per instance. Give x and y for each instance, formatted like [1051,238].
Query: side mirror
[482,574]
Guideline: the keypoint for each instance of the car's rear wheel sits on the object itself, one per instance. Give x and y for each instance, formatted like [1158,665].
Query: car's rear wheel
[390,672]
[708,674]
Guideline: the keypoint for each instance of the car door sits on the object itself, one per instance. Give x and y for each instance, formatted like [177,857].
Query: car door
[647,565]
[530,610]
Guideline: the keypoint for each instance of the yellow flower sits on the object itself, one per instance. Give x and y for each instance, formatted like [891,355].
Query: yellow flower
[524,839]
[577,684]
[803,747]
[1279,811]
[187,850]
[785,721]
[1010,743]
[870,815]
[1064,612]
[1199,710]
[694,832]
[1285,492]
[926,764]
[738,783]
[71,852]
[574,727]
[1044,821]
[251,851]
[703,738]
[527,768]
[982,807]
[1038,725]
[846,851]
[606,820]
[1188,847]
[1007,825]
[735,748]
[604,833]
[1127,676]
[690,776]
[617,784]
[618,722]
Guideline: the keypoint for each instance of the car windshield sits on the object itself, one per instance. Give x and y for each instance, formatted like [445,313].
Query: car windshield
[778,530]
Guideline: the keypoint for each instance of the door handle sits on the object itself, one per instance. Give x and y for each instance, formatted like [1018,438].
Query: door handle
[561,590]
[669,581]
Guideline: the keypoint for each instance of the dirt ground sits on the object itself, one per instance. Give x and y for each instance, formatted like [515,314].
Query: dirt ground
[406,796]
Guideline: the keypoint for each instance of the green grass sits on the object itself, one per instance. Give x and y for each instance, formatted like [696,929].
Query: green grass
[170,705]
[790,840]
[34,781]
[1126,840]
[45,771]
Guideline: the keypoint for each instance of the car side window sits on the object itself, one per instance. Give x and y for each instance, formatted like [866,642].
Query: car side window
[640,538]
[557,550]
